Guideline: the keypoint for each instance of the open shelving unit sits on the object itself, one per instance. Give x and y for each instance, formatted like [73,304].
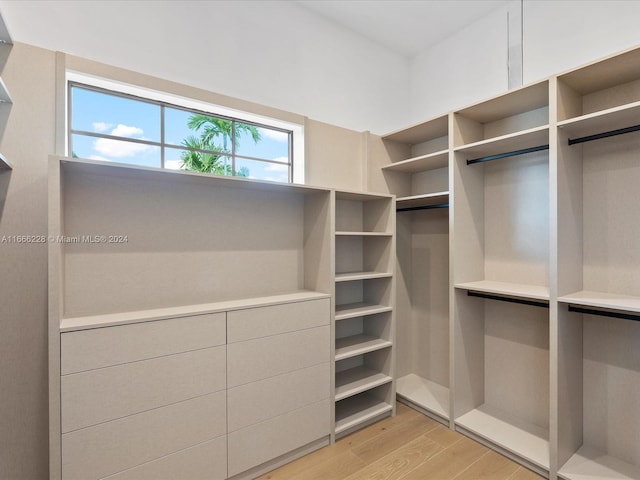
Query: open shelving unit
[363,289]
[5,99]
[599,270]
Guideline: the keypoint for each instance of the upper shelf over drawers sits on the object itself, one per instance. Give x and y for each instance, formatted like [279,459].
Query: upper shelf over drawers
[103,347]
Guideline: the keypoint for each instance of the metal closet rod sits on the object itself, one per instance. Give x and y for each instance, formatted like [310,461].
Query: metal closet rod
[610,133]
[426,207]
[513,153]
[520,301]
[604,313]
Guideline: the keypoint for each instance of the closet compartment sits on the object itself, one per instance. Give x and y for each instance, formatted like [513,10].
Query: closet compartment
[422,308]
[362,213]
[599,434]
[418,174]
[363,390]
[501,349]
[363,255]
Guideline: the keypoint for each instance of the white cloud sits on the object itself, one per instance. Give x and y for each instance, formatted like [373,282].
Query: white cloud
[275,167]
[97,157]
[101,126]
[120,149]
[274,135]
[127,131]
[173,164]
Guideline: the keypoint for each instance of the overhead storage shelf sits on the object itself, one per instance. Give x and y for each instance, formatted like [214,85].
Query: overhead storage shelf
[422,163]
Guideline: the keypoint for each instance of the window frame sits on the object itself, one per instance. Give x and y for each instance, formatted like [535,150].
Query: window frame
[173,102]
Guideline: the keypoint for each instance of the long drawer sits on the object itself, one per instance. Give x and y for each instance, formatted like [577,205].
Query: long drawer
[105,394]
[259,322]
[108,448]
[267,440]
[103,347]
[258,401]
[267,357]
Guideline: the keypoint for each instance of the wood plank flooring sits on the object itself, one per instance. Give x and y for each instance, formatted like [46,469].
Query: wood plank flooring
[409,446]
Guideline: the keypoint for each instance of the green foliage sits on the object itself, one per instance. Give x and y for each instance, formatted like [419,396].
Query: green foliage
[212,130]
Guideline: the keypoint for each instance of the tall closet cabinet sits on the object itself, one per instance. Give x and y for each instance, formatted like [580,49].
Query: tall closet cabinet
[518,306]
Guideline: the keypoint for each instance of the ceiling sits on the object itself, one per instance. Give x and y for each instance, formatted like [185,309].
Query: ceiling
[405,26]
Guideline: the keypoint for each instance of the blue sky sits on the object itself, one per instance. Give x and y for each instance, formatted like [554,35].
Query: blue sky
[113,115]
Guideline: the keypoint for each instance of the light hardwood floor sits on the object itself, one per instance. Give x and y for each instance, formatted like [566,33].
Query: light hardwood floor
[409,446]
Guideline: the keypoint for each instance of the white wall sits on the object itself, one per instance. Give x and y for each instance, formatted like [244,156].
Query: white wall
[471,65]
[272,52]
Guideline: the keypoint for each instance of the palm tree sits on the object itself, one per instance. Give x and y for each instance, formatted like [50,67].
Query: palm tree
[210,130]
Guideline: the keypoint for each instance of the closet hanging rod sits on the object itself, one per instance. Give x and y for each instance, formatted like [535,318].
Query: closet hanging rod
[513,153]
[604,313]
[426,207]
[520,301]
[598,136]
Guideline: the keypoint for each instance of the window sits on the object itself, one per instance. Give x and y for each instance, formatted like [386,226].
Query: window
[110,125]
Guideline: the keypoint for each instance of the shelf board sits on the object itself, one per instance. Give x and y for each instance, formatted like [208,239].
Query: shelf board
[421,132]
[424,200]
[357,380]
[352,310]
[422,163]
[4,164]
[603,121]
[508,432]
[356,410]
[603,300]
[363,234]
[111,319]
[361,196]
[588,463]
[426,394]
[354,345]
[352,276]
[519,290]
[532,137]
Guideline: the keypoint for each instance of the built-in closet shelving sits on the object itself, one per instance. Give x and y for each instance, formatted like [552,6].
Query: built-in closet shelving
[419,173]
[599,270]
[5,99]
[501,272]
[364,269]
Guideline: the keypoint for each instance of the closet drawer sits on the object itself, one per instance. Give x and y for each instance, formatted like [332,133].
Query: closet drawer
[207,461]
[267,440]
[112,447]
[97,396]
[275,319]
[262,358]
[103,347]
[254,402]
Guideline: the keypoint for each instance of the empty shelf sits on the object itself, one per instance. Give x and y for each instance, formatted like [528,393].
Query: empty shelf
[421,132]
[351,276]
[519,290]
[356,410]
[358,344]
[508,432]
[424,393]
[422,163]
[352,310]
[364,234]
[425,200]
[515,141]
[356,380]
[603,121]
[603,300]
[588,463]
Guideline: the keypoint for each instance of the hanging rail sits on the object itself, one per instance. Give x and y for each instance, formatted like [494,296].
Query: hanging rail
[598,136]
[604,313]
[425,207]
[508,154]
[520,301]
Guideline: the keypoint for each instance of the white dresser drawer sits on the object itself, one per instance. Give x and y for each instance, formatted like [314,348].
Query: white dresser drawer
[254,402]
[275,319]
[108,448]
[267,357]
[105,394]
[102,347]
[267,440]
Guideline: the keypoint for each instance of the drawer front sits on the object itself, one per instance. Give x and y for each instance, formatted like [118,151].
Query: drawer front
[254,445]
[112,447]
[104,347]
[207,461]
[97,396]
[263,358]
[275,319]
[258,401]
